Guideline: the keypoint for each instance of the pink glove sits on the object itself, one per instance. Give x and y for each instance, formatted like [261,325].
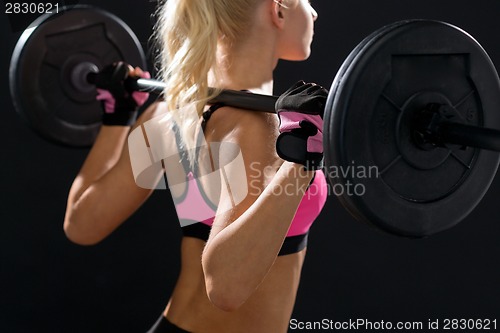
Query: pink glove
[120,105]
[300,110]
[290,120]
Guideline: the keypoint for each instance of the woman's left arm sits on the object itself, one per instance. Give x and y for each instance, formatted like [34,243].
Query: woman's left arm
[246,238]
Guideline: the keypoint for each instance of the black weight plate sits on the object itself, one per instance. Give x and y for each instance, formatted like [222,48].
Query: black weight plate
[49,66]
[398,70]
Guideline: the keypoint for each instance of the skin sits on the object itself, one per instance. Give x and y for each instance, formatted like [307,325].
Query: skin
[232,288]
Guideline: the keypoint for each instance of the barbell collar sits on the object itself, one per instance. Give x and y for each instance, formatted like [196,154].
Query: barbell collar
[439,124]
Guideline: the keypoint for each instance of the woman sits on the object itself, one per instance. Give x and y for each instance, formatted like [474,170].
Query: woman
[241,268]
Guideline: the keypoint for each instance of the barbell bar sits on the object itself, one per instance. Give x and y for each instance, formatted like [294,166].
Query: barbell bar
[238,99]
[415,100]
[439,130]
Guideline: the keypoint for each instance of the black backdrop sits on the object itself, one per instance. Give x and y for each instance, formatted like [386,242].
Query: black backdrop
[48,284]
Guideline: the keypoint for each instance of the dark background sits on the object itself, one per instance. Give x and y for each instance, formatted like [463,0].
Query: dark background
[48,284]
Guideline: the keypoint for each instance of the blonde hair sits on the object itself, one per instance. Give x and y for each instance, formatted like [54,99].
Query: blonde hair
[188,33]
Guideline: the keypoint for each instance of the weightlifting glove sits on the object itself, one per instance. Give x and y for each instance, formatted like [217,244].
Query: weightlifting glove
[120,104]
[300,110]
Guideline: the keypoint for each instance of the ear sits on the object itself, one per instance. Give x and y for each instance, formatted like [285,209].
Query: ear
[277,14]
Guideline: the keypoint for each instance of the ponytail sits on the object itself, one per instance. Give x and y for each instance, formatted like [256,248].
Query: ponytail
[188,33]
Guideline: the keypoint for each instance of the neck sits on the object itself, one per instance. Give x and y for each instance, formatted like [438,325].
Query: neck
[248,64]
[247,70]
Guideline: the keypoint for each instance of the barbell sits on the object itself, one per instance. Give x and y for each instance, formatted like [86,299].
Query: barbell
[410,123]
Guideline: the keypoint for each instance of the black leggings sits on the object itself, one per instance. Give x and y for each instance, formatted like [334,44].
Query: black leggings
[164,326]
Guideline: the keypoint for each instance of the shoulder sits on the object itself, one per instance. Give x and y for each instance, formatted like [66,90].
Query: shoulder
[233,124]
[156,109]
[254,134]
[154,130]
[155,121]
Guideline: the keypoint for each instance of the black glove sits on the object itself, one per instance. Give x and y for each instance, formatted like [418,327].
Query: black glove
[300,110]
[120,105]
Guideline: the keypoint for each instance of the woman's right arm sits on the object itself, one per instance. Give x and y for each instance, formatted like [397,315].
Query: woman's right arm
[104,193]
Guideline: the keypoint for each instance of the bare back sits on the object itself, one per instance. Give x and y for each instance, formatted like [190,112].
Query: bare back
[269,308]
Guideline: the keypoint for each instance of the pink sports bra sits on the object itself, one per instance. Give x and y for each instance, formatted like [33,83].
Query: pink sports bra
[195,207]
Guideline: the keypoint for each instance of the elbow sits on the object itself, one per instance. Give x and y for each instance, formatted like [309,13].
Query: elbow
[224,298]
[227,283]
[78,236]
[222,287]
